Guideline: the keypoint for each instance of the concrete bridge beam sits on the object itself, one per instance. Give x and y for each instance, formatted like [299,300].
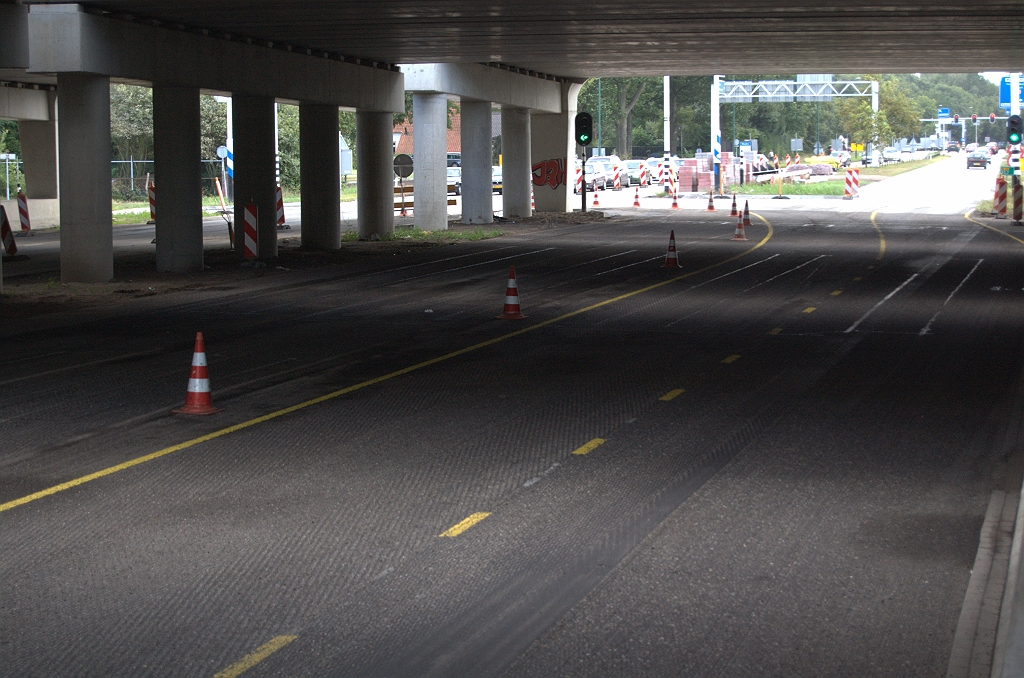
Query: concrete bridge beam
[255,165]
[376,171]
[515,151]
[177,138]
[320,176]
[430,173]
[477,189]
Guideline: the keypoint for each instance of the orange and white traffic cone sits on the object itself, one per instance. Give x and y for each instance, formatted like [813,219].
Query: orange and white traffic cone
[512,310]
[671,260]
[198,399]
[533,203]
[711,200]
[595,203]
[735,212]
[746,214]
[675,201]
[636,197]
[741,234]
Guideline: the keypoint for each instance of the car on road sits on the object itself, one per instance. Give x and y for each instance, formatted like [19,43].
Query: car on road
[971,148]
[978,159]
[635,169]
[595,175]
[842,157]
[871,159]
[455,180]
[496,178]
[890,154]
[953,147]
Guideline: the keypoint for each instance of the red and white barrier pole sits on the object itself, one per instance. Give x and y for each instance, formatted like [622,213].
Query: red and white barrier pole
[618,180]
[280,207]
[250,248]
[1018,201]
[152,202]
[26,225]
[6,236]
[999,202]
[852,183]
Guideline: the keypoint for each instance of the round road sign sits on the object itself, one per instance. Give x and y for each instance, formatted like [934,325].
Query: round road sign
[403,165]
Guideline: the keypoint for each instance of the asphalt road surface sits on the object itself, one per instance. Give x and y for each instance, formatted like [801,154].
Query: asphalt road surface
[772,461]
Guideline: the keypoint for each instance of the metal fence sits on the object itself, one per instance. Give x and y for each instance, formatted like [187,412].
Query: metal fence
[129,178]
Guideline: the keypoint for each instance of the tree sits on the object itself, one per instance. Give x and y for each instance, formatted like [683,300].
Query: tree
[131,122]
[623,126]
[863,125]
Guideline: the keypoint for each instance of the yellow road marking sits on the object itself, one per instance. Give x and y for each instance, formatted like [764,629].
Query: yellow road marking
[881,238]
[810,309]
[369,382]
[251,660]
[674,393]
[593,444]
[837,293]
[456,530]
[967,216]
[777,330]
[731,359]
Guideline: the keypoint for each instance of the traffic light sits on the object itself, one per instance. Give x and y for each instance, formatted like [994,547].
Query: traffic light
[1013,129]
[991,117]
[584,129]
[974,118]
[956,119]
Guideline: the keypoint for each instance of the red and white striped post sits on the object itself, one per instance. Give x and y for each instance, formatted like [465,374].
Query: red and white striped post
[280,206]
[999,202]
[852,183]
[26,225]
[250,248]
[579,179]
[618,179]
[6,236]
[1018,202]
[152,201]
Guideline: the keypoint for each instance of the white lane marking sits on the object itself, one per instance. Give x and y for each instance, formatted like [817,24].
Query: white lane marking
[482,263]
[612,270]
[701,310]
[806,263]
[610,256]
[927,328]
[874,308]
[31,357]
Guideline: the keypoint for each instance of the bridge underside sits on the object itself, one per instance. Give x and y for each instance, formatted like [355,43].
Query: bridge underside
[616,38]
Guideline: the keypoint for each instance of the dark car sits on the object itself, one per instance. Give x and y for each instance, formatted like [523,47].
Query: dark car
[978,159]
[953,147]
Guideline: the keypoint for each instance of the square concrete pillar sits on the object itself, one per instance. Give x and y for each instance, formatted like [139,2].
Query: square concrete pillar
[553,150]
[375,176]
[255,169]
[430,160]
[39,154]
[86,234]
[177,138]
[320,175]
[515,151]
[477,189]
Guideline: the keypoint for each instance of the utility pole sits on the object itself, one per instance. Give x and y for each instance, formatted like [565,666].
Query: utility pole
[668,130]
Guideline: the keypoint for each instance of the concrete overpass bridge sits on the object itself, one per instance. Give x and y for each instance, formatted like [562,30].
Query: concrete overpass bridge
[528,57]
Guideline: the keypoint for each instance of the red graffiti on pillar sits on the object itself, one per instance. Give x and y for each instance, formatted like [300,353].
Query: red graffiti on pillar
[549,172]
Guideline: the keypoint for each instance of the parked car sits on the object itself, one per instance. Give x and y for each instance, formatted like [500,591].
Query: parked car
[890,154]
[906,155]
[496,178]
[843,157]
[872,159]
[636,169]
[455,180]
[978,159]
[611,163]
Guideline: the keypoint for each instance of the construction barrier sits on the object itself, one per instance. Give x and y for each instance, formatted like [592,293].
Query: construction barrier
[852,183]
[5,233]
[152,202]
[579,179]
[999,202]
[250,248]
[645,176]
[1018,201]
[280,207]
[618,180]
[26,225]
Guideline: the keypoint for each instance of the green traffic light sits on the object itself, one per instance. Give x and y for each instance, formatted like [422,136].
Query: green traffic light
[1014,138]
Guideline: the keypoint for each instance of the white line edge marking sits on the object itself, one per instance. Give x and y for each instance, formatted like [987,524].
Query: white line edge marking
[459,268]
[874,308]
[806,263]
[927,328]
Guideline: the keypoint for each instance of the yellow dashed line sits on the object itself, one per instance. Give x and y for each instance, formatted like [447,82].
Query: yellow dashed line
[370,382]
[881,238]
[674,393]
[456,530]
[777,330]
[591,446]
[837,293]
[810,309]
[251,660]
[731,359]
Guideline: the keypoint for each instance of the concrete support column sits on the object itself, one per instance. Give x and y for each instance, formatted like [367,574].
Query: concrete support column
[430,160]
[39,154]
[86,235]
[553,150]
[374,153]
[253,127]
[515,152]
[177,138]
[477,189]
[320,176]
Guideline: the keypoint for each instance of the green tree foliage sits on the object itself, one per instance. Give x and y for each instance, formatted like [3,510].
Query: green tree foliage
[131,122]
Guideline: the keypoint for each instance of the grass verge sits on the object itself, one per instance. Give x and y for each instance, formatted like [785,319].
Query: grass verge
[901,167]
[831,187]
[452,235]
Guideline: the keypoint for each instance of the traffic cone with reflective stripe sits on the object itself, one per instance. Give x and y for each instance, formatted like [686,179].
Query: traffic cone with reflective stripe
[636,197]
[533,202]
[711,200]
[596,203]
[671,261]
[675,200]
[746,214]
[735,212]
[512,310]
[741,234]
[198,399]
